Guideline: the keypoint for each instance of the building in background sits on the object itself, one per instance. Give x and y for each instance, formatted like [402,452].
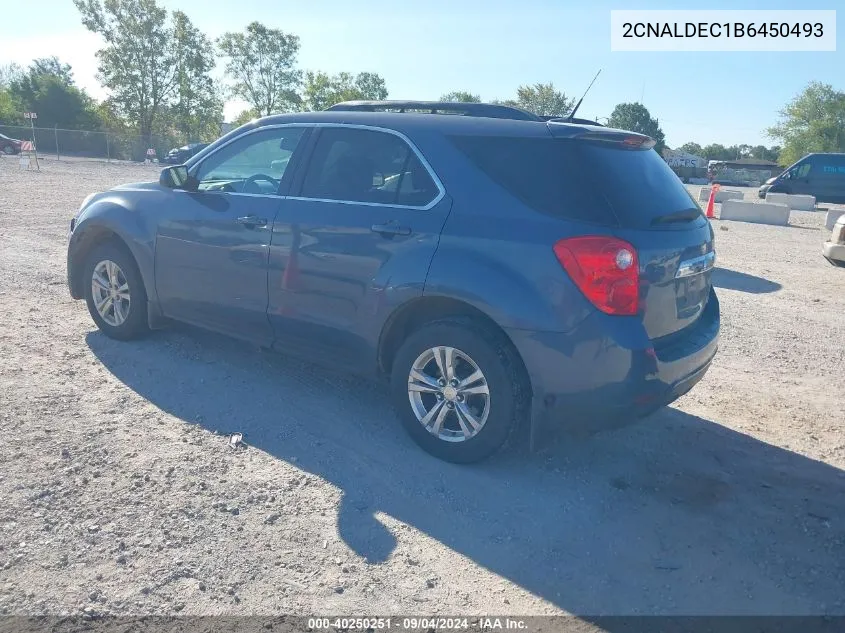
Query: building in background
[745,172]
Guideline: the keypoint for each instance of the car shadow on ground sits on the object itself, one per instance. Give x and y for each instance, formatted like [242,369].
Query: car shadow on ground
[735,280]
[675,515]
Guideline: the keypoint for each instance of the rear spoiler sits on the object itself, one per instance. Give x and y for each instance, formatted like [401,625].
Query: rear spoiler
[621,138]
[563,119]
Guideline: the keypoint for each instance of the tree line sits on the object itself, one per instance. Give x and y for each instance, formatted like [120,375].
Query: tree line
[716,151]
[156,68]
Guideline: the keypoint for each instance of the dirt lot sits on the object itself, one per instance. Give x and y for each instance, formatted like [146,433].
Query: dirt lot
[121,496]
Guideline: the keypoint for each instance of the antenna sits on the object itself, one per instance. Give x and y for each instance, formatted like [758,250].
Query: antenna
[578,105]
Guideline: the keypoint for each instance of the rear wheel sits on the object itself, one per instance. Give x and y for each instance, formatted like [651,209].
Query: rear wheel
[456,390]
[8,150]
[114,292]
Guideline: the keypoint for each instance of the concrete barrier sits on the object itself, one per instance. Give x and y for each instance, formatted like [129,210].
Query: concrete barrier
[793,201]
[721,195]
[758,212]
[831,217]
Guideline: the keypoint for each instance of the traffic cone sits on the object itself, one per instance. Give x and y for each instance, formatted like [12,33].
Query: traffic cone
[711,201]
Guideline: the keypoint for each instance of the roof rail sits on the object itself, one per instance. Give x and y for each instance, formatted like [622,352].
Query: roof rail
[491,110]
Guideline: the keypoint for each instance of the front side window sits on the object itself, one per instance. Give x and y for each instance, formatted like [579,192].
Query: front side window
[356,165]
[254,163]
[801,171]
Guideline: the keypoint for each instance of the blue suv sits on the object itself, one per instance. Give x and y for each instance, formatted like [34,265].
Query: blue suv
[495,266]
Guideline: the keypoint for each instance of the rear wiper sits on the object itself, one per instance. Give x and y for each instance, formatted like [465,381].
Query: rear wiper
[685,215]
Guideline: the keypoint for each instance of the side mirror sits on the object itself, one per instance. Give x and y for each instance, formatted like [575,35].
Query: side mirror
[175,178]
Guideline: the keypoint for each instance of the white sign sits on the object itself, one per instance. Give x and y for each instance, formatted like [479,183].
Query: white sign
[723,30]
[682,159]
[30,115]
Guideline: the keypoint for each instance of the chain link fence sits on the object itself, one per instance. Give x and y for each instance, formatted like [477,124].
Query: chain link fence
[58,143]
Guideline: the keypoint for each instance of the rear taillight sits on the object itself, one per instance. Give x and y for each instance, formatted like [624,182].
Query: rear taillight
[605,269]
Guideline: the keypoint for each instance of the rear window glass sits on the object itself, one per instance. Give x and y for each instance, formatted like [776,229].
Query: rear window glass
[638,184]
[580,180]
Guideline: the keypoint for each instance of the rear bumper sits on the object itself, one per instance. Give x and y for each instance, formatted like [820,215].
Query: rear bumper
[606,372]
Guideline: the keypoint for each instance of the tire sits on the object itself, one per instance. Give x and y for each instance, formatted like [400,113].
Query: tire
[8,150]
[133,323]
[474,348]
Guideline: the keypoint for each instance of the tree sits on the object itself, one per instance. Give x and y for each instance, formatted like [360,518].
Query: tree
[636,118]
[541,99]
[245,117]
[715,151]
[321,91]
[198,109]
[261,63]
[765,153]
[370,86]
[47,87]
[814,121]
[692,148]
[459,96]
[52,67]
[720,152]
[136,66]
[10,110]
[8,73]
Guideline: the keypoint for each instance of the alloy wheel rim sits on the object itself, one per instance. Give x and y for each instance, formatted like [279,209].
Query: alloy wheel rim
[449,394]
[110,290]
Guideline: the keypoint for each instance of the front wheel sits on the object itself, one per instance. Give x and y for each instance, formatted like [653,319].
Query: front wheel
[114,292]
[457,390]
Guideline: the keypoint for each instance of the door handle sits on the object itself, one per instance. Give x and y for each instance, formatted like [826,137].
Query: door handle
[251,221]
[390,229]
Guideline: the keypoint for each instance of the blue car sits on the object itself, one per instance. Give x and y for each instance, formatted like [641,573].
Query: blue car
[497,268]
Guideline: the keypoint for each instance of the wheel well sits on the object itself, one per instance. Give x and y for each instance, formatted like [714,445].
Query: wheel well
[91,239]
[414,314]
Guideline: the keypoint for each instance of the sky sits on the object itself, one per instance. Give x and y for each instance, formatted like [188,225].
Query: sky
[489,48]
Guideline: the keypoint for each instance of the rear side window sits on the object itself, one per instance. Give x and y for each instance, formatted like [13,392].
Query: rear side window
[355,165]
[543,173]
[580,180]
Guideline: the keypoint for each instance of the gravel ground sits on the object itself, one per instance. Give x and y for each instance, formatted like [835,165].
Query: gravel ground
[122,497]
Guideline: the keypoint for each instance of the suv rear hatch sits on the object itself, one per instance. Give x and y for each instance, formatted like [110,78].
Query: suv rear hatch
[657,215]
[615,187]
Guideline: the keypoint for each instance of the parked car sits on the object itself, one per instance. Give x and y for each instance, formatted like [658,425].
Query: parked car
[819,175]
[10,145]
[834,248]
[494,270]
[178,155]
[764,188]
